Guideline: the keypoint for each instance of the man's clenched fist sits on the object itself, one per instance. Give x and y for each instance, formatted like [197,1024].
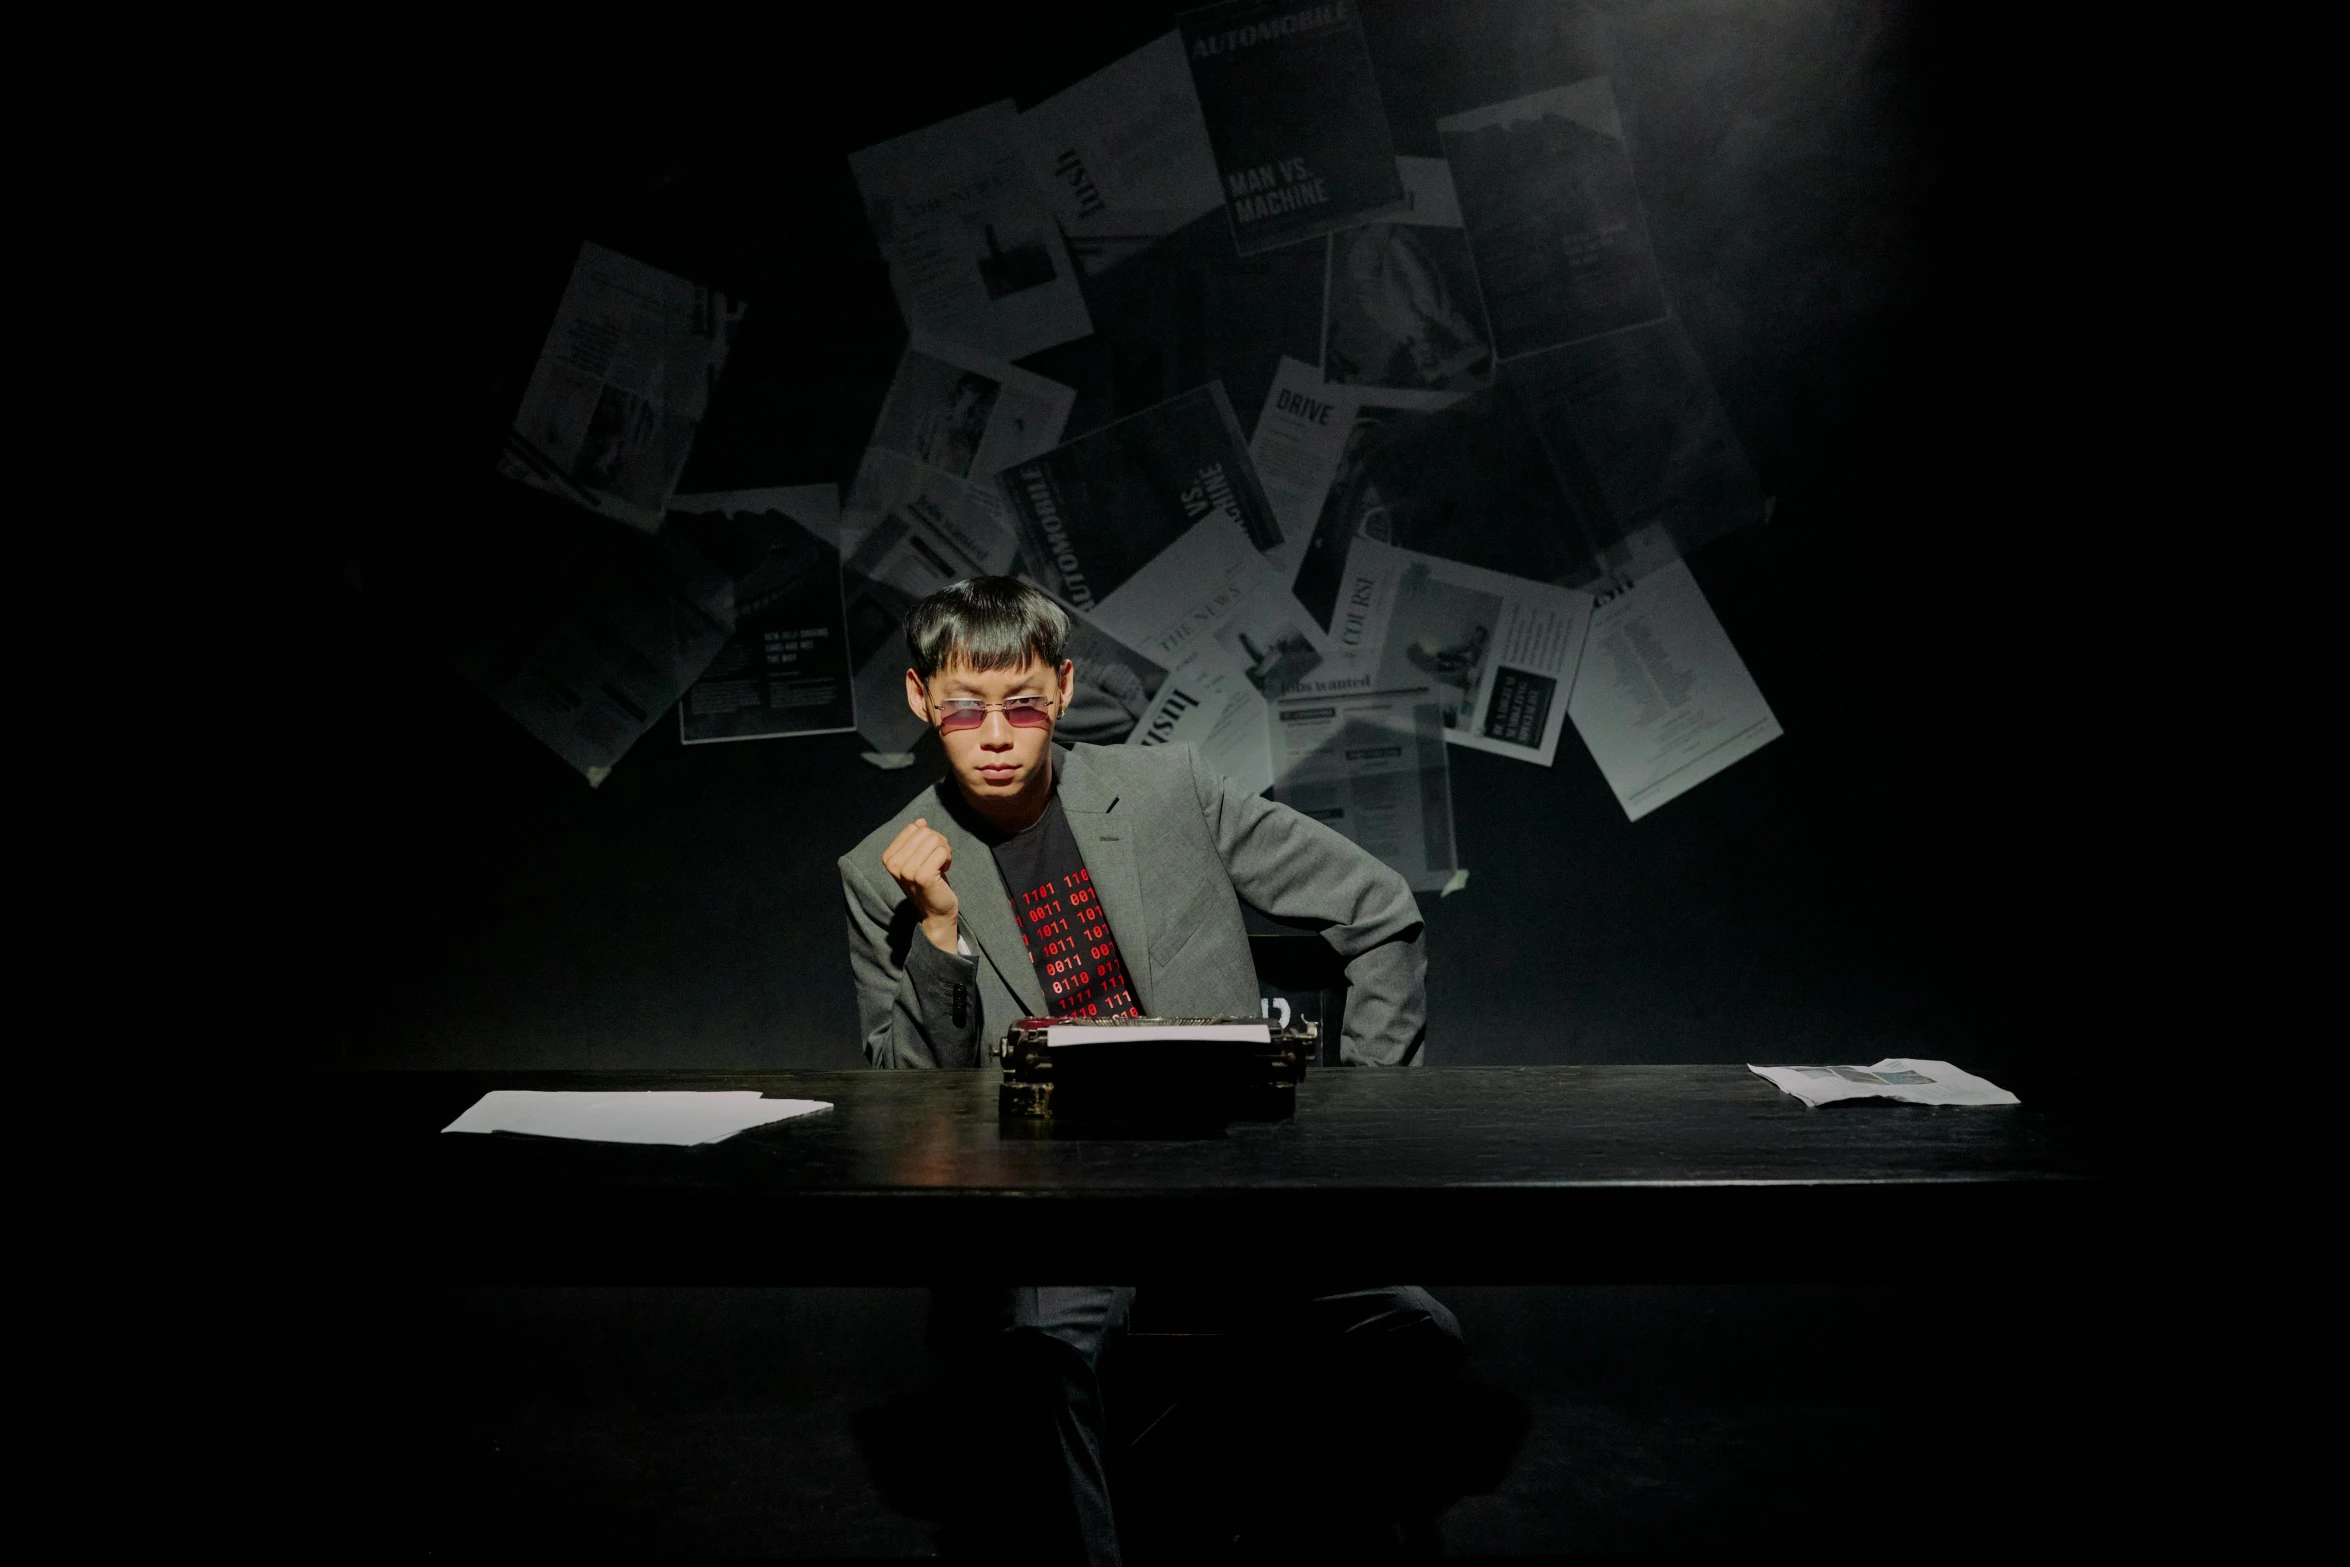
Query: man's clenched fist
[918,859]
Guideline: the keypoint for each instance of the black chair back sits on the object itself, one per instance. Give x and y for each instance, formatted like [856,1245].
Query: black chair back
[1303,971]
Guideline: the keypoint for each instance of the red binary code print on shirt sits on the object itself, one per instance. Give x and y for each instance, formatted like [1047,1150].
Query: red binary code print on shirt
[1069,941]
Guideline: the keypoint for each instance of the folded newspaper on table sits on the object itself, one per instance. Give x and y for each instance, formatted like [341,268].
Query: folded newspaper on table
[973,255]
[679,1118]
[1123,157]
[609,416]
[1293,110]
[1896,1077]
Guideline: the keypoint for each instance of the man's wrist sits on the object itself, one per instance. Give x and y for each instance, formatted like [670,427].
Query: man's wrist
[943,929]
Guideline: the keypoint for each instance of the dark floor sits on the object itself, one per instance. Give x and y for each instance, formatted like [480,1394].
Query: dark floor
[720,1422]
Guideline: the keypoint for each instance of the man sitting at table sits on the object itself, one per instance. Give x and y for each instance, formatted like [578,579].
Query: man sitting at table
[1102,881]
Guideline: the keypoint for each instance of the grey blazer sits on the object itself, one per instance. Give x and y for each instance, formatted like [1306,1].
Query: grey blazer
[1173,851]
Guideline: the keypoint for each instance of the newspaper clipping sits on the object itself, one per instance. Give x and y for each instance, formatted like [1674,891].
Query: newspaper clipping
[1630,420]
[1662,700]
[785,671]
[1123,156]
[916,549]
[1553,217]
[1403,325]
[583,635]
[1094,512]
[972,253]
[1301,437]
[1368,761]
[952,418]
[1293,111]
[609,416]
[1469,483]
[1498,653]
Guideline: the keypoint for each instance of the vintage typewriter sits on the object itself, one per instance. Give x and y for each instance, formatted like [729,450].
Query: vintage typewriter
[1163,1070]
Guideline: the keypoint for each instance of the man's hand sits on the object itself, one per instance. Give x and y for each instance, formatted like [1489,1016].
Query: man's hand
[918,859]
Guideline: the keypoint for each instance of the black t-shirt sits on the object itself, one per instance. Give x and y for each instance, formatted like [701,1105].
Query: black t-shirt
[1077,959]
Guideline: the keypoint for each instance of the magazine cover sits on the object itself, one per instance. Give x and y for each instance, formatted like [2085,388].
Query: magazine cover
[1553,217]
[1293,112]
[1092,513]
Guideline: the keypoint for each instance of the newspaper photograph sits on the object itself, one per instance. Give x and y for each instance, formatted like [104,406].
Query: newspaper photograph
[1368,761]
[1403,323]
[1092,513]
[1631,423]
[1122,157]
[1293,111]
[785,671]
[1470,483]
[951,419]
[1498,653]
[973,255]
[584,635]
[1301,435]
[1663,700]
[620,386]
[1553,218]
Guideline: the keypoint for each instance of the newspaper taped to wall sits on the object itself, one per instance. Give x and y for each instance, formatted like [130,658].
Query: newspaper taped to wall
[1896,1077]
[1188,311]
[952,418]
[973,256]
[1663,700]
[1293,110]
[1214,709]
[1403,324]
[1469,483]
[1633,428]
[1094,512]
[1369,761]
[1116,688]
[785,670]
[1122,157]
[917,548]
[1553,217]
[1301,437]
[1498,653]
[584,635]
[608,418]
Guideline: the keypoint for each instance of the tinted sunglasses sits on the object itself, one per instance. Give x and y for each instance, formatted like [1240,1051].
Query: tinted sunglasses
[958,713]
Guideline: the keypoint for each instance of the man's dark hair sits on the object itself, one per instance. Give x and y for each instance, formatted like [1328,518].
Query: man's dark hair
[985,623]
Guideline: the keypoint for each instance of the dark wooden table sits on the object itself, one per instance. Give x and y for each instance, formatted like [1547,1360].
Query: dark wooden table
[1521,1175]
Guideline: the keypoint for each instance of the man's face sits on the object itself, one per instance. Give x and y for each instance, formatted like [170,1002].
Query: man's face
[998,758]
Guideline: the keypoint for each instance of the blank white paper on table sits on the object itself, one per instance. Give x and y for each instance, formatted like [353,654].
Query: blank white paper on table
[678,1117]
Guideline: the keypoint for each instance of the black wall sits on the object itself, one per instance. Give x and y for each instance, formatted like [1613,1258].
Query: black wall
[1854,207]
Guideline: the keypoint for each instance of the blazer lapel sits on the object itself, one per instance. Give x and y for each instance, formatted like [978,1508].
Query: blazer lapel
[987,912]
[1105,839]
